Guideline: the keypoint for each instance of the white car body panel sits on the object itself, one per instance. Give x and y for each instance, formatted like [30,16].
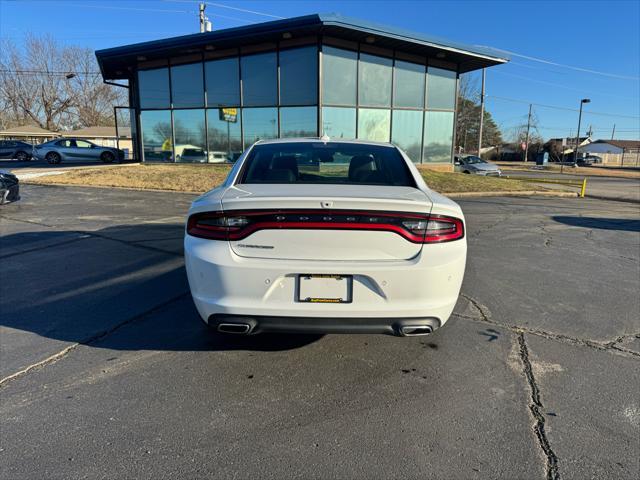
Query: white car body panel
[326,244]
[393,279]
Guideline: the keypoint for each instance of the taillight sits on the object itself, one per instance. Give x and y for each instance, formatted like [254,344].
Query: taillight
[236,225]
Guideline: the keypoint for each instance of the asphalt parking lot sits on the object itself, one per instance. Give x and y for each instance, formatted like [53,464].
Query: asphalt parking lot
[107,371]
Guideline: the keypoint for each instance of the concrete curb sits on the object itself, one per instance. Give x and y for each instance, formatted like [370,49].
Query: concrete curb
[572,174]
[521,193]
[27,182]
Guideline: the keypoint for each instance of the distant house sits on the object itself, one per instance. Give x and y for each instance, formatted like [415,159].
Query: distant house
[28,133]
[615,152]
[566,144]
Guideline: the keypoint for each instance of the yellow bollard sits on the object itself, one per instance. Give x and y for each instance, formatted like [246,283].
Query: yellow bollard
[584,188]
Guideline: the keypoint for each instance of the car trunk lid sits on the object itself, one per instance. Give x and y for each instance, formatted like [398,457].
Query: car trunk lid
[312,222]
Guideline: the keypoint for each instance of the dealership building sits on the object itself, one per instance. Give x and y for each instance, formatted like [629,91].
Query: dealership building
[207,96]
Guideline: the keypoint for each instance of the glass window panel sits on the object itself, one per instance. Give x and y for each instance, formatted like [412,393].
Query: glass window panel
[374,84]
[299,76]
[222,79]
[374,124]
[259,124]
[153,88]
[339,122]
[407,132]
[441,89]
[259,79]
[339,75]
[187,87]
[438,136]
[189,133]
[225,137]
[408,85]
[156,135]
[344,163]
[299,122]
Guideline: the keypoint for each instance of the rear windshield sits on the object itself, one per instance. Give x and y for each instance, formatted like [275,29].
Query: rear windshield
[335,163]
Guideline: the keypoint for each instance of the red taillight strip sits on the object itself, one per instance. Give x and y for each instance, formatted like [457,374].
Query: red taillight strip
[215,232]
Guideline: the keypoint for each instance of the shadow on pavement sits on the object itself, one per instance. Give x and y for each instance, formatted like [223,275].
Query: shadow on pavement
[623,224]
[121,287]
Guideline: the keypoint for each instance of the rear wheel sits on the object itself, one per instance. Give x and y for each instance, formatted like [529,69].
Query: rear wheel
[467,171]
[53,158]
[107,157]
[22,156]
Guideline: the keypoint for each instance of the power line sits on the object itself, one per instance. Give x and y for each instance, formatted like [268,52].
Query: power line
[563,65]
[221,5]
[543,82]
[113,7]
[556,107]
[45,72]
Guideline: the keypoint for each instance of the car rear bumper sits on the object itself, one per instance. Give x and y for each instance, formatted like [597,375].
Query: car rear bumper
[263,324]
[385,294]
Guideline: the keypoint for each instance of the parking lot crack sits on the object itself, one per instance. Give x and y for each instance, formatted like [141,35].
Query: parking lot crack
[131,243]
[45,247]
[89,340]
[613,346]
[32,222]
[536,408]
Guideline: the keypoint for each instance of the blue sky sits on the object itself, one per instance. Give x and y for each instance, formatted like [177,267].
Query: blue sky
[601,36]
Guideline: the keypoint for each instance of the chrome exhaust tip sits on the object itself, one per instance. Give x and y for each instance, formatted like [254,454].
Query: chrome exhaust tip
[236,328]
[415,330]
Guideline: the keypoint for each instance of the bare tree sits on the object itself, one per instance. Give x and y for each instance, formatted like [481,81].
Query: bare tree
[54,86]
[468,118]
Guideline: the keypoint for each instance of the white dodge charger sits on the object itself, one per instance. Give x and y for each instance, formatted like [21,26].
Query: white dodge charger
[323,236]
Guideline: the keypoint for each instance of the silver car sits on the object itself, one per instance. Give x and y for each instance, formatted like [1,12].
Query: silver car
[475,165]
[55,151]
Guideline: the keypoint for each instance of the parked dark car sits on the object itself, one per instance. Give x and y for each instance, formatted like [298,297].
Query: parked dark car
[15,149]
[589,160]
[55,151]
[9,187]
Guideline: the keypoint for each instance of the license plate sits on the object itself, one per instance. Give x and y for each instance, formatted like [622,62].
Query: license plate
[325,288]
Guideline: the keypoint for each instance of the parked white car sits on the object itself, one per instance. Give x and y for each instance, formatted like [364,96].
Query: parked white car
[313,235]
[475,165]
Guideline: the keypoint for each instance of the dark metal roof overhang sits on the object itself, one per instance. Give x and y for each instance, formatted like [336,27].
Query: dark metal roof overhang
[119,62]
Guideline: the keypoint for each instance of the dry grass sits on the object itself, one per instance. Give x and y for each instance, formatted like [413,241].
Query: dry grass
[200,178]
[181,178]
[445,182]
[581,171]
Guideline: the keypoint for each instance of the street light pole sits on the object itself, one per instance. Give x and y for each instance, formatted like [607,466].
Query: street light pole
[481,115]
[575,155]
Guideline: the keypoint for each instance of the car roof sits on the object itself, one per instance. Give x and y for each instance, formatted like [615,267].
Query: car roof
[324,140]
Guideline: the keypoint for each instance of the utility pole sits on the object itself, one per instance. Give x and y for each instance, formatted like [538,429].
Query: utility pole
[481,114]
[575,155]
[613,132]
[201,15]
[526,146]
[205,24]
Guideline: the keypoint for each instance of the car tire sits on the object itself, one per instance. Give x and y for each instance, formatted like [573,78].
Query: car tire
[107,157]
[467,172]
[22,156]
[53,158]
